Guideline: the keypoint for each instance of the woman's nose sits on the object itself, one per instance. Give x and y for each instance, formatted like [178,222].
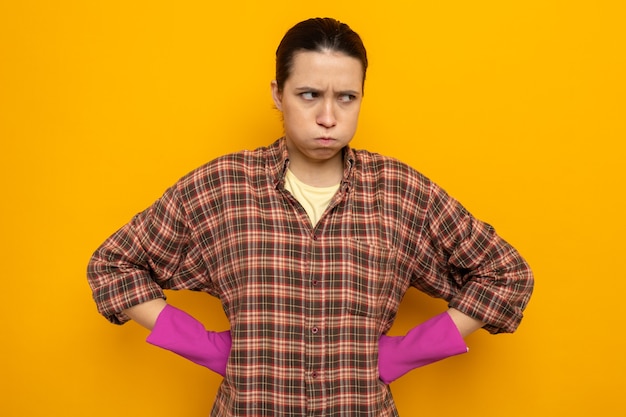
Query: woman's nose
[326,116]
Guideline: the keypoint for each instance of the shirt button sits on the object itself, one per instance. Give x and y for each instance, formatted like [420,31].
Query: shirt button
[314,374]
[315,282]
[314,237]
[314,330]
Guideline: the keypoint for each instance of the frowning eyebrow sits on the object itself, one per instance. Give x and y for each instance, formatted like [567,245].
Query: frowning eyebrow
[317,90]
[305,88]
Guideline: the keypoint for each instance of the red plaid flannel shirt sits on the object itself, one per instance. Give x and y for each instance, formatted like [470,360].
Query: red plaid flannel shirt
[307,304]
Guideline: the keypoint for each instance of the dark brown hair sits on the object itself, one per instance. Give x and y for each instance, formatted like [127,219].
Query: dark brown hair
[317,35]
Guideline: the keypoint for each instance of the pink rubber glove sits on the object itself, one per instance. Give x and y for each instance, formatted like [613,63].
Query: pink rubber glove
[180,333]
[431,341]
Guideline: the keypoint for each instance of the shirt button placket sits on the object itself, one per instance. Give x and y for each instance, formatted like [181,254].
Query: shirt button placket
[315,349]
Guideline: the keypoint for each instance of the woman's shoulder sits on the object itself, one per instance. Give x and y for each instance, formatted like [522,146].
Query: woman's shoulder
[379,165]
[235,163]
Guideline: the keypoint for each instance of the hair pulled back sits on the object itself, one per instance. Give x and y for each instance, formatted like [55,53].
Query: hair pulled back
[317,35]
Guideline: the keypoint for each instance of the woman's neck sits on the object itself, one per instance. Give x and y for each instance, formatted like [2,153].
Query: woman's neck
[318,174]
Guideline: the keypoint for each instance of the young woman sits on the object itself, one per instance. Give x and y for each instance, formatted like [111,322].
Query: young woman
[310,245]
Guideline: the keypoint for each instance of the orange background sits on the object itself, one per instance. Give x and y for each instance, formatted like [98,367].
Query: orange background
[516,108]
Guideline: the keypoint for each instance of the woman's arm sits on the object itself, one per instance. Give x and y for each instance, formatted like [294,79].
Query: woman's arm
[146,313]
[180,333]
[470,266]
[464,323]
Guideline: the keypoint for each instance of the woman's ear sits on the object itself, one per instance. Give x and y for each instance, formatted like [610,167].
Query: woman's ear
[277,95]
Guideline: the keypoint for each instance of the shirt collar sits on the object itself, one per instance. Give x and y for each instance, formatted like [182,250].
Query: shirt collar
[278,162]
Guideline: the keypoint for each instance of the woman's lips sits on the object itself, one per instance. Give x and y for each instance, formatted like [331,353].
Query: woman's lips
[325,140]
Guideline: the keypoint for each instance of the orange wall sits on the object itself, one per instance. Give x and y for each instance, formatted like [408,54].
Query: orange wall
[516,108]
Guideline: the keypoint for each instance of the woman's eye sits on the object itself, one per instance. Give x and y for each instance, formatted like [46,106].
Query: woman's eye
[346,98]
[308,95]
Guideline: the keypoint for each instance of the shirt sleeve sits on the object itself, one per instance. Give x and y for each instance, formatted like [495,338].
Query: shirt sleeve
[469,265]
[139,260]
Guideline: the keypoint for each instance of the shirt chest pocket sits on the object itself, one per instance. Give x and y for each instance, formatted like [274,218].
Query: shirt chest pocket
[365,280]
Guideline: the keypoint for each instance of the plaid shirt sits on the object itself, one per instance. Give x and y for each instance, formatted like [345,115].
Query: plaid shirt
[307,304]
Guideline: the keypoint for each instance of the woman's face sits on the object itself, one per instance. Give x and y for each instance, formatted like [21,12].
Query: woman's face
[320,102]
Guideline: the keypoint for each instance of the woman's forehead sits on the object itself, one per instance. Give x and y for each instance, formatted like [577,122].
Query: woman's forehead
[325,66]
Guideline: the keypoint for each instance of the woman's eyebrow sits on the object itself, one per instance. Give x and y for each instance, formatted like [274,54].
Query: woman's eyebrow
[307,88]
[350,92]
[314,89]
